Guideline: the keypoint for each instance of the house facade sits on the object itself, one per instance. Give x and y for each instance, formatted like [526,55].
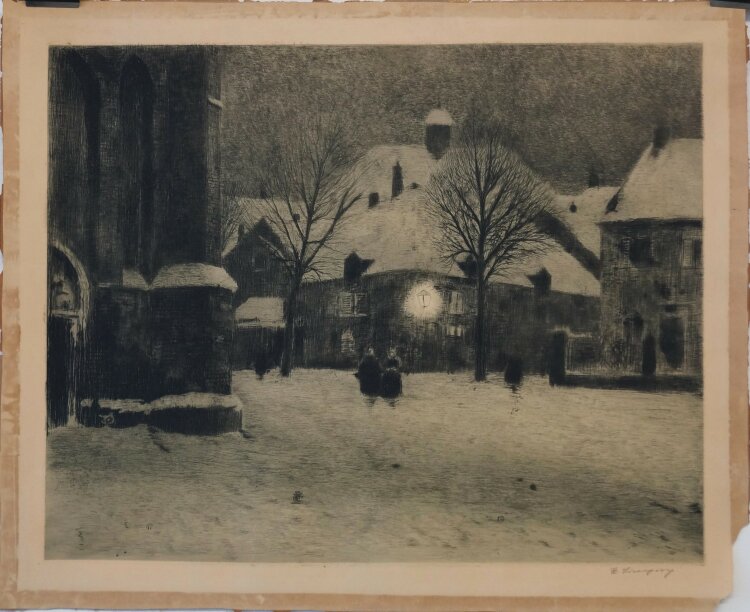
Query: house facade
[386,286]
[250,262]
[428,319]
[652,266]
[140,309]
[405,296]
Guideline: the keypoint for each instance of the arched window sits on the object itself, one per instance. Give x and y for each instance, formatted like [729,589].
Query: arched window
[75,103]
[136,112]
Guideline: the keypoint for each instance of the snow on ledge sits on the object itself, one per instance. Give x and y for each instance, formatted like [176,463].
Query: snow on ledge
[198,401]
[193,275]
[132,279]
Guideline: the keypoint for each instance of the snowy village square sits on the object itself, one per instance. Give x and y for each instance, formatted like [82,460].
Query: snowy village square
[339,304]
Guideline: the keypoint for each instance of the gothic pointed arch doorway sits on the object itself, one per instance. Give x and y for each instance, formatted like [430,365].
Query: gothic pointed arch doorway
[68,302]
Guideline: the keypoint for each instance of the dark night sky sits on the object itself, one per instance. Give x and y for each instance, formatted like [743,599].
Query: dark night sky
[571,107]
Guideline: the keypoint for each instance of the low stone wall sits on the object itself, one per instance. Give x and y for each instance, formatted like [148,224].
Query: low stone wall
[189,413]
[635,382]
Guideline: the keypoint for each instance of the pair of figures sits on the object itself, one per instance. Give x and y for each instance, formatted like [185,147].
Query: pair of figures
[375,379]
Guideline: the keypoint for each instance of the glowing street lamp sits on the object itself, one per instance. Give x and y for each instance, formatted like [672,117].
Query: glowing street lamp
[423,301]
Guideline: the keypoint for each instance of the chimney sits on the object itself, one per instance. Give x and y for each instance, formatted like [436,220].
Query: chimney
[437,137]
[662,134]
[397,184]
[594,180]
[355,267]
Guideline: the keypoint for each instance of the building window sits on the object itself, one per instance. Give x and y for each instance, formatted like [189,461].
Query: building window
[692,253]
[455,331]
[455,303]
[345,303]
[373,199]
[259,262]
[672,341]
[347,342]
[351,304]
[640,252]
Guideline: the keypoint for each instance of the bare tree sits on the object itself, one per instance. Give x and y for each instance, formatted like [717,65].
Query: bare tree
[308,187]
[487,204]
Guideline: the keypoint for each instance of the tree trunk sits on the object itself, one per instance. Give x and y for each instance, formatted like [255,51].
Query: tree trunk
[287,355]
[480,336]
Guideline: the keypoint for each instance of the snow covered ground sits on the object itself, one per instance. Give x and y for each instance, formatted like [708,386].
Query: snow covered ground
[453,471]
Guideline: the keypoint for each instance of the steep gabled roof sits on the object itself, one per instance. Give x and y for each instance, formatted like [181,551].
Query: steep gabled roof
[400,235]
[417,165]
[666,183]
[260,312]
[583,212]
[259,227]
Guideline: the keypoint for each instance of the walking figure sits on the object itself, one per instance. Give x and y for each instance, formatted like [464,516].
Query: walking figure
[369,373]
[390,384]
[262,365]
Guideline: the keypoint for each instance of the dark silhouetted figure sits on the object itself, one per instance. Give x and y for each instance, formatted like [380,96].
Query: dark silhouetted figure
[397,182]
[390,383]
[369,374]
[648,366]
[557,358]
[672,341]
[262,365]
[514,371]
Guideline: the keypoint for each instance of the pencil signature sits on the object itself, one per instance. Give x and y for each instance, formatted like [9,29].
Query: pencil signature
[664,572]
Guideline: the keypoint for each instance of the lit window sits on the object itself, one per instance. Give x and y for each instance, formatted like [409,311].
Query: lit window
[345,303]
[456,303]
[347,342]
[455,331]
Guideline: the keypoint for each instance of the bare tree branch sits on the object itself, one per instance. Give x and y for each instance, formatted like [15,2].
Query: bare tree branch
[309,186]
[233,214]
[486,203]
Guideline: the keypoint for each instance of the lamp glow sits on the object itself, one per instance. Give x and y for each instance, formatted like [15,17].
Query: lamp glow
[423,301]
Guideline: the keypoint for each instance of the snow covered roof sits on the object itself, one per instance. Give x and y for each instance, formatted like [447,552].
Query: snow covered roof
[666,183]
[417,166]
[396,234]
[251,206]
[568,275]
[193,275]
[400,235]
[583,212]
[439,116]
[260,312]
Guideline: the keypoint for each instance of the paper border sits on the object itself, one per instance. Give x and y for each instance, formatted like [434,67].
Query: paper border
[27,30]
